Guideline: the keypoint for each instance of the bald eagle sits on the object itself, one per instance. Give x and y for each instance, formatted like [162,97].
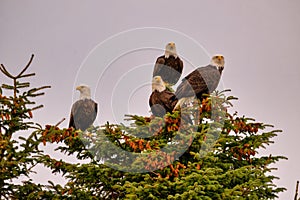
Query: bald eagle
[203,80]
[161,100]
[84,111]
[169,66]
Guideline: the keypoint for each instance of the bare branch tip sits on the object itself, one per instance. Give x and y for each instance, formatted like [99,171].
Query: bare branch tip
[26,67]
[63,119]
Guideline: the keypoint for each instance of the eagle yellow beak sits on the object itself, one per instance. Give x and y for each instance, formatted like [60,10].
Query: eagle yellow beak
[170,45]
[219,57]
[158,78]
[78,88]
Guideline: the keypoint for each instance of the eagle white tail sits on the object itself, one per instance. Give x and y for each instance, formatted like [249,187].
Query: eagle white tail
[180,103]
[184,100]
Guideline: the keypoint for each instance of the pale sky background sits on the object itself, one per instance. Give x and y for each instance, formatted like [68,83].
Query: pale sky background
[259,39]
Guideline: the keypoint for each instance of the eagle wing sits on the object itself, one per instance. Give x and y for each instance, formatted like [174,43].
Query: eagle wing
[175,67]
[162,102]
[179,65]
[156,105]
[211,77]
[160,62]
[200,81]
[71,122]
[168,98]
[170,69]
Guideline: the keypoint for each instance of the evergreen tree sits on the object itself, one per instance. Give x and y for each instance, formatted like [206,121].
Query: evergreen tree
[216,157]
[18,156]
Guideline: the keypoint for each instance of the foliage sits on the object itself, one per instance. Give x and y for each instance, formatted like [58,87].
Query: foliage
[216,157]
[18,157]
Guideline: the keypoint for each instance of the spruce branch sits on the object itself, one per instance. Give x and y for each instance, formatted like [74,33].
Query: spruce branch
[15,161]
[58,123]
[26,67]
[296,194]
[37,107]
[27,75]
[5,72]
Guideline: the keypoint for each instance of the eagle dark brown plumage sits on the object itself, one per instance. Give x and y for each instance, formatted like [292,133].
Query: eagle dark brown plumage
[161,100]
[203,80]
[83,111]
[169,66]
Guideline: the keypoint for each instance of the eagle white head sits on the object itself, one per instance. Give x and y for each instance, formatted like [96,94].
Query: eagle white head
[85,91]
[170,50]
[158,84]
[218,61]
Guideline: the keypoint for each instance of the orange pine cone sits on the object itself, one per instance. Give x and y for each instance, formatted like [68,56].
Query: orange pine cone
[30,114]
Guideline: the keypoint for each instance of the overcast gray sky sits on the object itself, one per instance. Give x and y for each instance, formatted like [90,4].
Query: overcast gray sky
[259,39]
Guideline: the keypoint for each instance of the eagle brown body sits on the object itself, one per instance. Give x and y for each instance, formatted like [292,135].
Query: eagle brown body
[169,66]
[83,111]
[203,80]
[169,69]
[83,114]
[162,102]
